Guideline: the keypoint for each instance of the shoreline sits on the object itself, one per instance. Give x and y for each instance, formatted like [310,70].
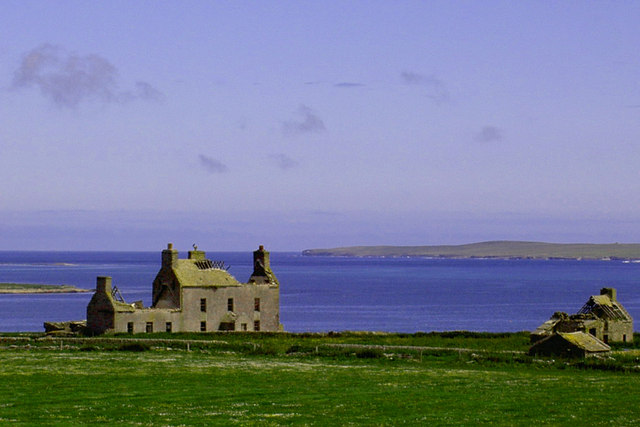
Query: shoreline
[27,288]
[462,257]
[512,250]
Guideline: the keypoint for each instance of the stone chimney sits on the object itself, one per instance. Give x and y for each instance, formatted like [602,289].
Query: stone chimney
[169,256]
[610,292]
[261,264]
[197,255]
[103,285]
[262,273]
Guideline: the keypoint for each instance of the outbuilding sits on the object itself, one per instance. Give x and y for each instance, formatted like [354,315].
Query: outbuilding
[570,345]
[602,316]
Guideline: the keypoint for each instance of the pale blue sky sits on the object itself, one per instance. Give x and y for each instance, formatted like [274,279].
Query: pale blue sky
[297,124]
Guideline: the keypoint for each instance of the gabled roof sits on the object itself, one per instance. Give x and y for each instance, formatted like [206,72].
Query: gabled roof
[585,341]
[603,306]
[197,274]
[569,344]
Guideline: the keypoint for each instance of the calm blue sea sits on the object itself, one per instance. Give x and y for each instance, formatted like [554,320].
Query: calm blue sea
[334,294]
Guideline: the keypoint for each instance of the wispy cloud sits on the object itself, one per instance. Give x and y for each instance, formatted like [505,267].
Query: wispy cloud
[212,165]
[435,88]
[283,161]
[307,122]
[489,134]
[348,84]
[68,79]
[147,92]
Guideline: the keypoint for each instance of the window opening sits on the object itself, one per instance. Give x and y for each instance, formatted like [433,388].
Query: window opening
[227,326]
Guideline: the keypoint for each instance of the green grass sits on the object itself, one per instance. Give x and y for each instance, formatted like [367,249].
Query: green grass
[231,379]
[496,249]
[281,341]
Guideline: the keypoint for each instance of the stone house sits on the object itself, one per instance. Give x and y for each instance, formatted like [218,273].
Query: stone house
[192,295]
[569,344]
[602,316]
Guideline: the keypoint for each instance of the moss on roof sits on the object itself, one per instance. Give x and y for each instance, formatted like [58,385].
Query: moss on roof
[602,300]
[189,275]
[585,341]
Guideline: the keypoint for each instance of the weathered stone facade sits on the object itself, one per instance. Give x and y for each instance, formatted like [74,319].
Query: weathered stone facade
[602,316]
[192,295]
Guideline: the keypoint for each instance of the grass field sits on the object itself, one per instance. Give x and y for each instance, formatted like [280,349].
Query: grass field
[293,379]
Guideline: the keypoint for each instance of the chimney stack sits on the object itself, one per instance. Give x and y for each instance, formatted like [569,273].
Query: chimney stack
[261,264]
[610,292]
[103,285]
[169,256]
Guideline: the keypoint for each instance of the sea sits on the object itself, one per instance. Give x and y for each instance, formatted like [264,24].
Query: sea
[321,294]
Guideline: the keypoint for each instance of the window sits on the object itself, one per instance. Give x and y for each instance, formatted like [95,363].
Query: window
[227,326]
[203,304]
[243,326]
[256,325]
[149,327]
[605,339]
[624,338]
[130,327]
[203,326]
[168,326]
[230,304]
[592,331]
[256,304]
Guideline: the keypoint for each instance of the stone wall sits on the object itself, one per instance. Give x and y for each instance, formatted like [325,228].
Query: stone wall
[190,317]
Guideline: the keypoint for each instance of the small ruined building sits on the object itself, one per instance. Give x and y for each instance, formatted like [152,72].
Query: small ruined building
[192,295]
[602,316]
[570,345]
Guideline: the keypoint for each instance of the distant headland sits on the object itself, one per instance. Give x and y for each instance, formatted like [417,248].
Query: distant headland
[29,288]
[494,249]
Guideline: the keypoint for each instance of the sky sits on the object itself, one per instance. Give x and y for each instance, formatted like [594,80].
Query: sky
[312,124]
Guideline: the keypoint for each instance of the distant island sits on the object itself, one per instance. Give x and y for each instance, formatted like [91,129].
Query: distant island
[494,249]
[29,288]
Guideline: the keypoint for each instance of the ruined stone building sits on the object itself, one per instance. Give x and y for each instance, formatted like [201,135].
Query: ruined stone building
[570,345]
[192,295]
[602,316]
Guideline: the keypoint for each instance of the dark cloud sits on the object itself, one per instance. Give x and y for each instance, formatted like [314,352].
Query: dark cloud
[283,161]
[308,122]
[489,134]
[212,165]
[435,88]
[68,79]
[348,84]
